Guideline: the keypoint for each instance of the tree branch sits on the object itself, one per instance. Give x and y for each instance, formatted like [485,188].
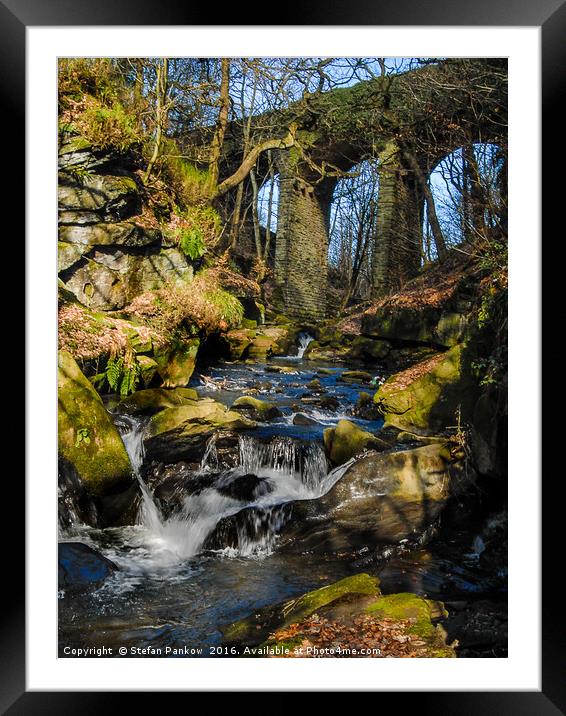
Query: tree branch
[250,160]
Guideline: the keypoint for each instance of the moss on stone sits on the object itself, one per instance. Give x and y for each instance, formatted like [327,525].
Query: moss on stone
[347,439]
[420,611]
[177,366]
[294,610]
[262,410]
[355,376]
[152,400]
[87,437]
[429,402]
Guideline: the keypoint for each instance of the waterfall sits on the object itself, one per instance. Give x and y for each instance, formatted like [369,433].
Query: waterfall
[276,473]
[131,429]
[282,457]
[304,340]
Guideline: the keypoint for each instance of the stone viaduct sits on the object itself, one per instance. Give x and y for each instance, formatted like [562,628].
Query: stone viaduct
[421,115]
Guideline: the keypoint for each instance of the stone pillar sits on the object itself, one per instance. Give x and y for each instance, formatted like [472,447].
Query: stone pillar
[301,253]
[397,249]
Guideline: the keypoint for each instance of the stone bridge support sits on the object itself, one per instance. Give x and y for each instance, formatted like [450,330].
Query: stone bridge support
[301,254]
[398,241]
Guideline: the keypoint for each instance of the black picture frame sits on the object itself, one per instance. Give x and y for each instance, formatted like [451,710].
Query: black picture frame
[550,15]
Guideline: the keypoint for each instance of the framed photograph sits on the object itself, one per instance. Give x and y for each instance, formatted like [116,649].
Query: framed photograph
[283,302]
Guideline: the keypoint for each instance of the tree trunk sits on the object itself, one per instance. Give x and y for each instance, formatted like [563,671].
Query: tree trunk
[160,115]
[432,217]
[221,124]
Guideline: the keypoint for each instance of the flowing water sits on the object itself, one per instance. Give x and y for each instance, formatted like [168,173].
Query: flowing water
[178,581]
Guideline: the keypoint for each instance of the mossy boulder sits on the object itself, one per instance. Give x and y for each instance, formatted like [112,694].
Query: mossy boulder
[181,433]
[355,376]
[425,398]
[254,629]
[420,613]
[148,367]
[237,341]
[353,607]
[330,351]
[381,498]
[176,367]
[88,439]
[257,409]
[347,440]
[271,341]
[152,400]
[369,350]
[435,325]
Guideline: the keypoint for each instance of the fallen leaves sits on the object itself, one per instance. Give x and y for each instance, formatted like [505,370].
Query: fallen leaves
[364,637]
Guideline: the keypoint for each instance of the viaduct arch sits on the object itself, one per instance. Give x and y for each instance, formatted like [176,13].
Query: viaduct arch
[406,121]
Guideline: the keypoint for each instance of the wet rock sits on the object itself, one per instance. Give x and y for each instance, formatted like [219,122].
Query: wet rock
[329,402]
[257,627]
[347,440]
[315,385]
[152,400]
[181,433]
[381,498]
[250,526]
[245,488]
[365,408]
[256,409]
[302,419]
[82,568]
[355,376]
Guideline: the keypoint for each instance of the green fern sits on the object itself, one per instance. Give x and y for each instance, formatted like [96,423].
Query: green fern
[123,373]
[114,371]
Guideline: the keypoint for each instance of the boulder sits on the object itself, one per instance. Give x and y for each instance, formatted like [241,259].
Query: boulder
[176,366]
[355,376]
[381,498]
[148,367]
[152,400]
[112,197]
[181,433]
[237,341]
[347,440]
[302,419]
[369,349]
[88,439]
[124,233]
[110,280]
[259,410]
[81,567]
[244,488]
[436,325]
[68,255]
[425,398]
[257,627]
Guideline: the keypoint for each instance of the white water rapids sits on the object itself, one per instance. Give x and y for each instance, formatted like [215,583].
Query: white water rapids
[289,470]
